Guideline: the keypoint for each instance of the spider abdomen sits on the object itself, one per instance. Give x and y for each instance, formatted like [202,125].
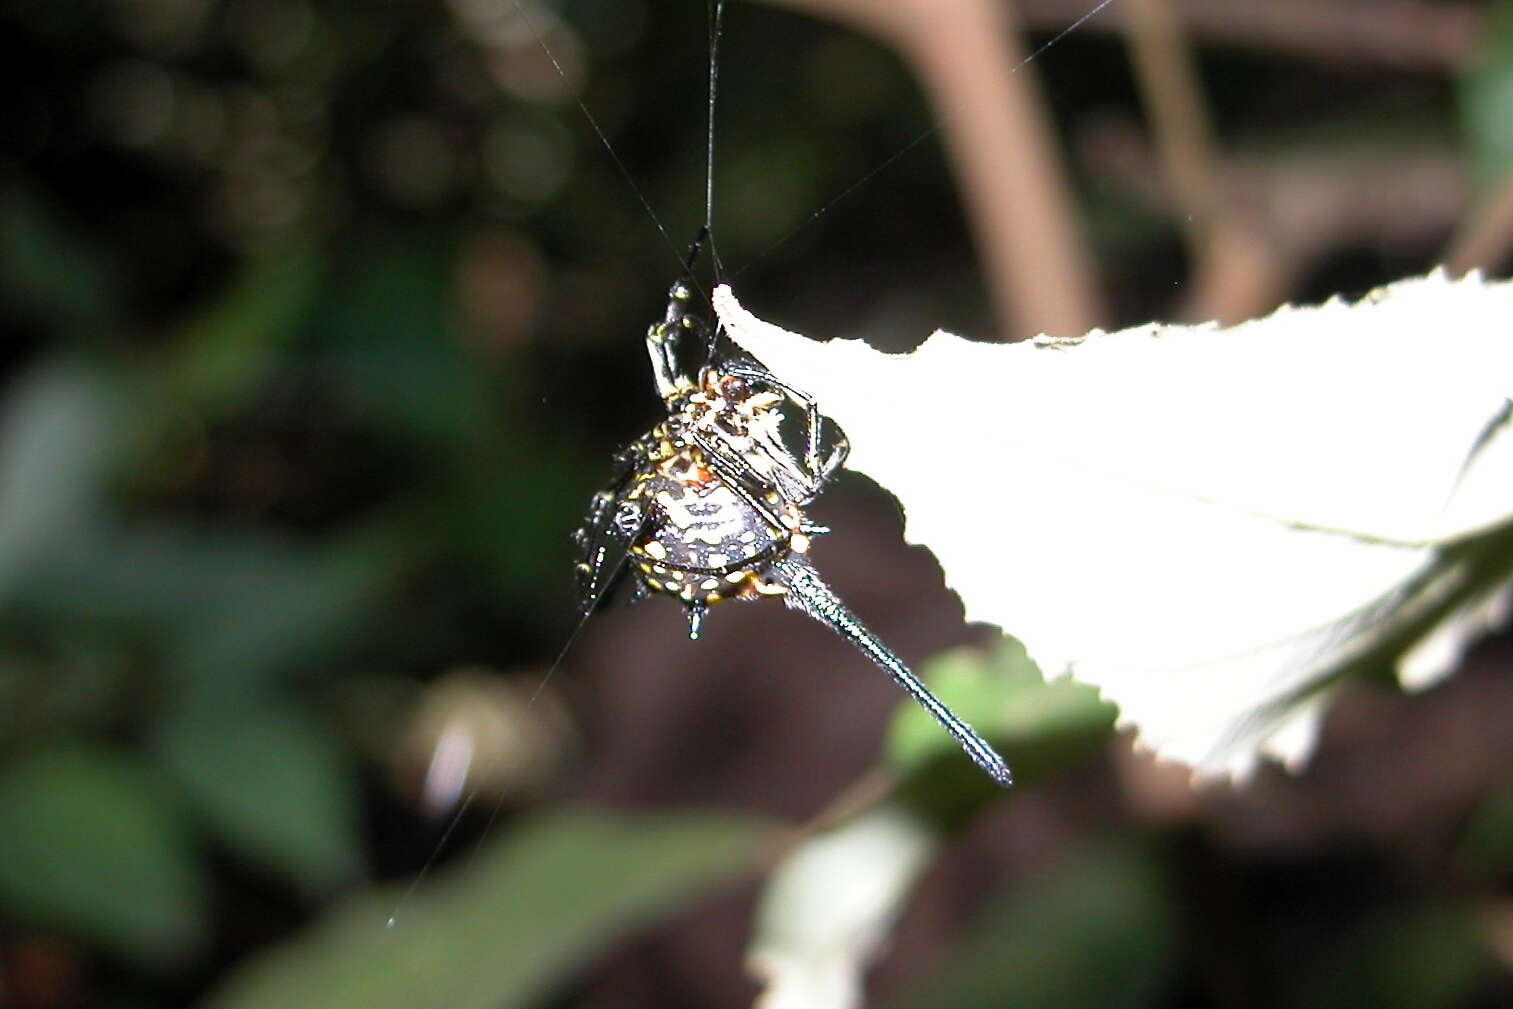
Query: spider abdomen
[705,543]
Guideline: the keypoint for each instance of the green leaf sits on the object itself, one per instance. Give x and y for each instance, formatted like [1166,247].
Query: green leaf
[1410,958]
[89,845]
[1097,934]
[1038,726]
[1486,848]
[527,910]
[273,785]
[298,607]
[1486,100]
[50,272]
[229,351]
[162,577]
[231,609]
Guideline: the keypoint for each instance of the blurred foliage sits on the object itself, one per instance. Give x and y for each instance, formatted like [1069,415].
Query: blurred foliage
[323,319]
[93,843]
[1099,933]
[1487,97]
[1421,957]
[527,909]
[1487,847]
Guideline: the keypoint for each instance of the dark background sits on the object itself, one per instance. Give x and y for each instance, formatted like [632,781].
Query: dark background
[322,322]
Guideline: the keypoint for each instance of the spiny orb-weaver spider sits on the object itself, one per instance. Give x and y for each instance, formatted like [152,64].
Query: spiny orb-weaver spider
[708,505]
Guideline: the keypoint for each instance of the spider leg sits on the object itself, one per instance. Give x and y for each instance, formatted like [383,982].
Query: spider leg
[727,471]
[807,489]
[820,470]
[834,461]
[639,589]
[696,611]
[809,593]
[662,338]
[613,522]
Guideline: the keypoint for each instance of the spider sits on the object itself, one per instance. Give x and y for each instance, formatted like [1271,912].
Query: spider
[707,506]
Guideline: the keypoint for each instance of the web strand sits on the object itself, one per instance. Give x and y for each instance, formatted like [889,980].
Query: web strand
[901,152]
[717,17]
[630,180]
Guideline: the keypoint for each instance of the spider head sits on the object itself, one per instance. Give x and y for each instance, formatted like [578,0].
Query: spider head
[736,396]
[716,384]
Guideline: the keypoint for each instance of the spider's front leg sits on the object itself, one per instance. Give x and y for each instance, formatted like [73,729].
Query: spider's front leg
[808,593]
[663,337]
[613,521]
[820,471]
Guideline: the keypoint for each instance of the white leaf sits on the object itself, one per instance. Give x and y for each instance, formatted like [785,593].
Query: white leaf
[1208,524]
[829,905]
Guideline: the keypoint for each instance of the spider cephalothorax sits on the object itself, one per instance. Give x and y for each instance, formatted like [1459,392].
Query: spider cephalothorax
[708,505]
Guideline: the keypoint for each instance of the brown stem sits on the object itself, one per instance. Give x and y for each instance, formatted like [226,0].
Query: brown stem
[1313,202]
[970,59]
[1485,239]
[1408,34]
[1235,275]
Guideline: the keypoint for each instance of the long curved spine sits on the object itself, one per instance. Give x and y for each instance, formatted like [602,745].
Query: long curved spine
[808,592]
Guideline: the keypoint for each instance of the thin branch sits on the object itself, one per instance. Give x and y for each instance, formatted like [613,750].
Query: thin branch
[970,57]
[1404,34]
[1313,202]
[1236,276]
[1485,239]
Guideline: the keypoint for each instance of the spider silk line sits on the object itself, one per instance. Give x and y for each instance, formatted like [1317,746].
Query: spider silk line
[436,850]
[716,24]
[716,16]
[630,180]
[470,794]
[901,152]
